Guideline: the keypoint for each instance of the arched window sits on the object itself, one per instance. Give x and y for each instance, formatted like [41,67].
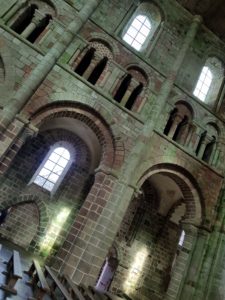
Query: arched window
[203,84]
[52,170]
[208,87]
[138,32]
[143,26]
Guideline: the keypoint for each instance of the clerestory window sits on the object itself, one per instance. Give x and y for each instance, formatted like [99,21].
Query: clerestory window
[203,84]
[138,32]
[53,169]
[182,237]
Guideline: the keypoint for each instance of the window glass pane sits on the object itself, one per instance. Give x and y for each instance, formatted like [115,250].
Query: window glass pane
[58,170]
[54,157]
[39,180]
[62,162]
[132,31]
[48,185]
[53,168]
[140,38]
[49,165]
[203,84]
[141,18]
[136,45]
[53,178]
[128,39]
[44,173]
[136,24]
[138,32]
[59,150]
[66,154]
[145,31]
[147,23]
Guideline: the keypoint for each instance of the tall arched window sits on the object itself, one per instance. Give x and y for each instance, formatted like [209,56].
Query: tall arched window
[208,87]
[138,32]
[52,170]
[203,84]
[142,26]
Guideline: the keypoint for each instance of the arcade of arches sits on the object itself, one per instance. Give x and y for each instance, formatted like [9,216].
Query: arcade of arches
[112,144]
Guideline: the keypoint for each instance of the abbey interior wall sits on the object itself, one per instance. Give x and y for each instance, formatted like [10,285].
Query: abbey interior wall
[98,191]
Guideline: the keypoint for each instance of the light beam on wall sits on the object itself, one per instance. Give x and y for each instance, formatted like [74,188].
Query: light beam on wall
[135,271]
[54,230]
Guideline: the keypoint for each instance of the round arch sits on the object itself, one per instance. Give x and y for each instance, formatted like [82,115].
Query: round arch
[188,186]
[112,156]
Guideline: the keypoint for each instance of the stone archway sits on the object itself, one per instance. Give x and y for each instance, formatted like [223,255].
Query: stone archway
[112,147]
[152,237]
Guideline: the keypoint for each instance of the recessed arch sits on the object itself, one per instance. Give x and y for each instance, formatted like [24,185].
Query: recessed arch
[189,187]
[89,118]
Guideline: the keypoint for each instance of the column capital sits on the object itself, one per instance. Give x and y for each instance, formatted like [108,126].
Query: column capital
[38,17]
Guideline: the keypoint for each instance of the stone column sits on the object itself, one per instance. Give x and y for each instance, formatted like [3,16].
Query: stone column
[96,59]
[38,17]
[96,226]
[113,79]
[176,121]
[204,143]
[14,10]
[22,96]
[133,84]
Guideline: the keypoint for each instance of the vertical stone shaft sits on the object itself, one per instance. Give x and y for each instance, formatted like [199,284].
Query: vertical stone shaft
[23,95]
[166,88]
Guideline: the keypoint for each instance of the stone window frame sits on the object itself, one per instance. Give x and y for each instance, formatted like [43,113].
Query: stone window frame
[152,12]
[72,153]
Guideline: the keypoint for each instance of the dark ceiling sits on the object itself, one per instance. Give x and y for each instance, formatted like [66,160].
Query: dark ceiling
[212,11]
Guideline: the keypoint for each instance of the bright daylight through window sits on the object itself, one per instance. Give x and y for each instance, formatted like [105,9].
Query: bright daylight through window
[138,32]
[53,168]
[203,84]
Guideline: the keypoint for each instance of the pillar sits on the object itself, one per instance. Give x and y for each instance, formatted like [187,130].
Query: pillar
[133,84]
[96,226]
[38,17]
[176,121]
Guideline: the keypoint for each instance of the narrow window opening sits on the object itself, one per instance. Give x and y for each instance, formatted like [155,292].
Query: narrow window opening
[96,73]
[123,88]
[24,19]
[136,92]
[2,70]
[39,29]
[182,237]
[85,62]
